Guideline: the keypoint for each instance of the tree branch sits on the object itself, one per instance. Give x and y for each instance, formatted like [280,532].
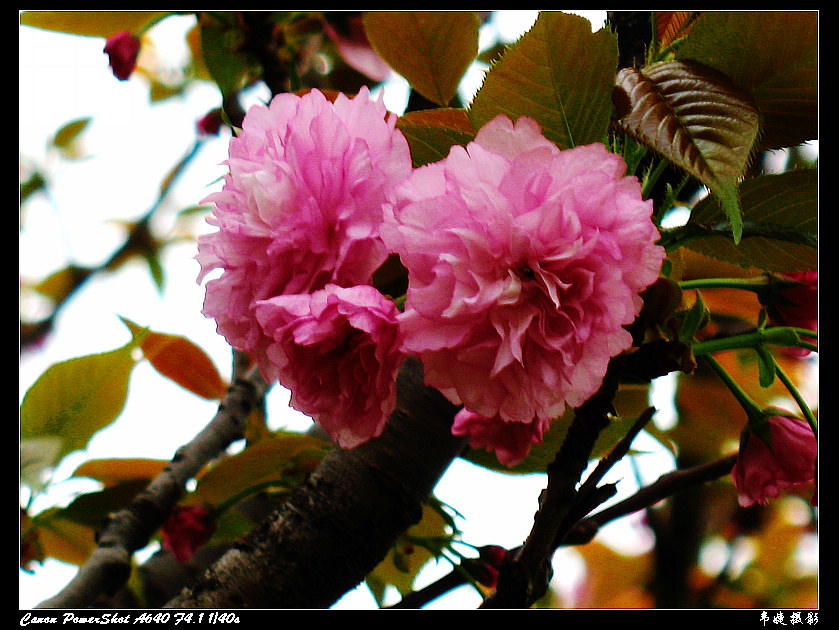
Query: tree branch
[340,523]
[525,579]
[128,530]
[667,485]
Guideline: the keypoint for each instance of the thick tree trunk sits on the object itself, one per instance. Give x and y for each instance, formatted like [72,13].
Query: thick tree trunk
[337,526]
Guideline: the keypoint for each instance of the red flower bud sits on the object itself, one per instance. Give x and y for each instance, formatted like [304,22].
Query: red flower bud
[211,122]
[122,50]
[186,529]
[794,303]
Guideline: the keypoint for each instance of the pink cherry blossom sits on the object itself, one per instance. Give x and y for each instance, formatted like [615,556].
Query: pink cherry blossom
[761,474]
[300,208]
[511,441]
[338,351]
[525,263]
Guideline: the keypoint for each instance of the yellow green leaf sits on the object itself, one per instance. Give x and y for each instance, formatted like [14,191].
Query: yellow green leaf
[271,462]
[68,133]
[90,23]
[63,539]
[113,471]
[74,399]
[405,559]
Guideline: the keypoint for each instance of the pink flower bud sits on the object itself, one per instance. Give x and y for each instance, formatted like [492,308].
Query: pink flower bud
[761,474]
[122,50]
[186,529]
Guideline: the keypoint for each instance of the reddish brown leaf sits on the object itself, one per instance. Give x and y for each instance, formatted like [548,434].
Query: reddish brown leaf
[669,25]
[180,360]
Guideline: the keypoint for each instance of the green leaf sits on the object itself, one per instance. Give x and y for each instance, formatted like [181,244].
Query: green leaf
[766,366]
[74,399]
[771,54]
[432,50]
[432,133]
[222,55]
[695,318]
[781,217]
[696,118]
[91,23]
[560,74]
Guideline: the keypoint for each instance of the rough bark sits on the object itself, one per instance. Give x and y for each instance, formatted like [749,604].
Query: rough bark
[337,526]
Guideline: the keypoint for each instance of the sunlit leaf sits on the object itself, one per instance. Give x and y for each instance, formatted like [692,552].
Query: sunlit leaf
[90,23]
[277,461]
[560,74]
[431,49]
[405,559]
[63,539]
[113,471]
[74,399]
[771,54]
[432,133]
[696,118]
[180,360]
[781,212]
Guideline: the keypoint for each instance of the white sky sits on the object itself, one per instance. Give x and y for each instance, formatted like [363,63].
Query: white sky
[63,78]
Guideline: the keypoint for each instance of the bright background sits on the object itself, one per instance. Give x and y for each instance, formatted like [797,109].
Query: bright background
[128,149]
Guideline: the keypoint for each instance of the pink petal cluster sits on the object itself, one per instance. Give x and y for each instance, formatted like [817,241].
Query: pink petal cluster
[186,529]
[525,263]
[122,50]
[338,350]
[761,474]
[300,210]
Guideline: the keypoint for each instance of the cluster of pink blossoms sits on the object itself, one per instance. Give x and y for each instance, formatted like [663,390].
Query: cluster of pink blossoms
[525,263]
[298,242]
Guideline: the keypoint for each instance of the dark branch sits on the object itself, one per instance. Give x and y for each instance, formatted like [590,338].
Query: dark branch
[338,525]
